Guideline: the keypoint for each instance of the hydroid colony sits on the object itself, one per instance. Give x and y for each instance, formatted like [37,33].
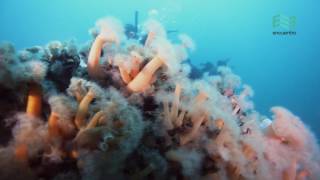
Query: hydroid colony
[122,108]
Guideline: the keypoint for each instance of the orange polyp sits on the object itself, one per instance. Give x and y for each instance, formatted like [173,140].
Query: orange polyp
[219,123]
[74,154]
[135,67]
[190,136]
[34,100]
[95,120]
[201,97]
[94,56]
[83,109]
[53,126]
[21,152]
[124,74]
[142,81]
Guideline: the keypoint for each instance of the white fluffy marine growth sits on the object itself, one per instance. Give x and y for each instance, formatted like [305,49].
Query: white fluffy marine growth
[123,108]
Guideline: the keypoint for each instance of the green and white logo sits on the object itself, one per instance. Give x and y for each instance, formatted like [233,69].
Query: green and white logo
[284,25]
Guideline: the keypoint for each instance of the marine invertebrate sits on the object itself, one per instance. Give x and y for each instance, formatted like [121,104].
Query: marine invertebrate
[34,102]
[111,30]
[155,123]
[142,81]
[83,109]
[172,117]
[154,30]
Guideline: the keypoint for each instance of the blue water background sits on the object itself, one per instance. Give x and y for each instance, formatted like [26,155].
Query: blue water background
[283,70]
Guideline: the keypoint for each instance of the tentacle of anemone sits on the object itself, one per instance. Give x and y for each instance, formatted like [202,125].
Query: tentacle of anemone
[78,97]
[90,138]
[21,152]
[94,56]
[175,104]
[124,74]
[79,93]
[34,104]
[95,120]
[248,151]
[83,109]
[142,80]
[197,121]
[180,118]
[150,38]
[200,98]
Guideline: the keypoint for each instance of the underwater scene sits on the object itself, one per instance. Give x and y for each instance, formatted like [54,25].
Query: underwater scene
[151,89]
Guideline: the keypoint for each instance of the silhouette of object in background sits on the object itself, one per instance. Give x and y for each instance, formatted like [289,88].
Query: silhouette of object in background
[207,67]
[131,30]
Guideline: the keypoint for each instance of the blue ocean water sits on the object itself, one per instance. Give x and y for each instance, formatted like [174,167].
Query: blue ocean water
[283,70]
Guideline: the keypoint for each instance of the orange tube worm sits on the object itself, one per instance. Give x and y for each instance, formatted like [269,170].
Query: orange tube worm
[53,126]
[94,56]
[95,120]
[21,152]
[124,74]
[201,97]
[83,109]
[197,121]
[142,81]
[181,116]
[136,61]
[34,103]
